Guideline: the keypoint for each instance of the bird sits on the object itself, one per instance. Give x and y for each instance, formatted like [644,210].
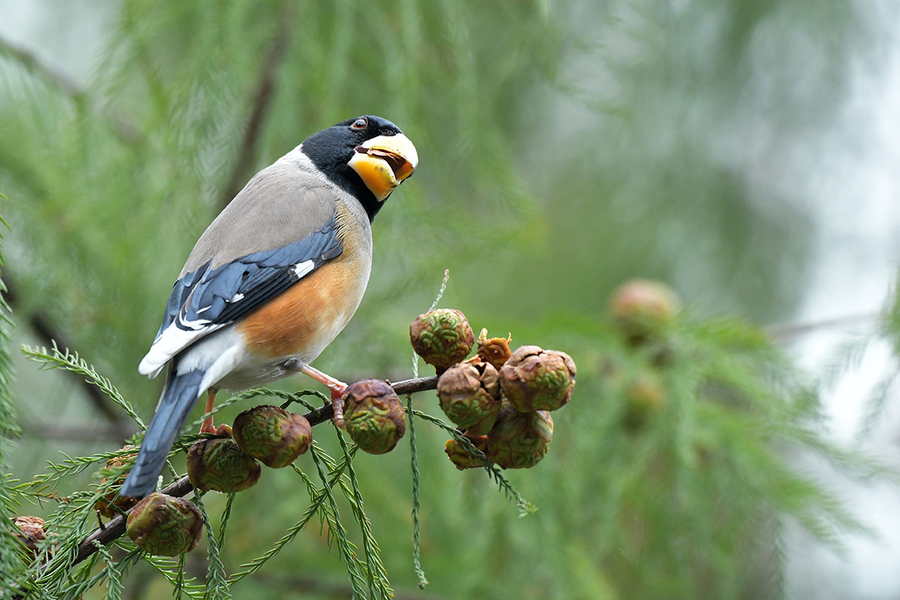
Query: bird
[273,279]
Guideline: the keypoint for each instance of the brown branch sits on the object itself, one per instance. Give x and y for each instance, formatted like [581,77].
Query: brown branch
[182,487]
[42,326]
[33,65]
[262,99]
[116,527]
[789,331]
[68,87]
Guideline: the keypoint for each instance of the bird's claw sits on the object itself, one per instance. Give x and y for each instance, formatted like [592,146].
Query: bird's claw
[337,388]
[337,404]
[208,426]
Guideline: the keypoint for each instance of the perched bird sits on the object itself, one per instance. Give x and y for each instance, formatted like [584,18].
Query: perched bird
[273,279]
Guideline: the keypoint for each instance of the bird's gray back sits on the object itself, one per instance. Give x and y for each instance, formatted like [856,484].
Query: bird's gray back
[281,204]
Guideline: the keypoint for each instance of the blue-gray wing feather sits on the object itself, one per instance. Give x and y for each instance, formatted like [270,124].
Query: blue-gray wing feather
[208,297]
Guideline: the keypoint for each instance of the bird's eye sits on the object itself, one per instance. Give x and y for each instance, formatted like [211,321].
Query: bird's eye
[360,123]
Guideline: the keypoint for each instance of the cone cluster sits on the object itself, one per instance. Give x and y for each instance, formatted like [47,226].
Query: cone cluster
[500,400]
[112,503]
[168,526]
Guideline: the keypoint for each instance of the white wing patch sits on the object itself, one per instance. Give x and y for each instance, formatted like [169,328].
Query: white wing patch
[302,269]
[181,334]
[172,341]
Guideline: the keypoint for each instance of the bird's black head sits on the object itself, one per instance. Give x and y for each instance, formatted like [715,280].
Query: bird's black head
[367,156]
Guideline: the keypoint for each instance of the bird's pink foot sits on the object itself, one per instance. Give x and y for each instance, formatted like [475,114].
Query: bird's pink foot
[208,426]
[337,389]
[337,404]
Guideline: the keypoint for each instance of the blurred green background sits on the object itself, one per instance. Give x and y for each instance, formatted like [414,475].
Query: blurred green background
[565,147]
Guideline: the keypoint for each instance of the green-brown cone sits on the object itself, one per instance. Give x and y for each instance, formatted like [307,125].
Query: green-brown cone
[645,396]
[272,435]
[641,309]
[374,415]
[460,457]
[442,337]
[220,464]
[30,532]
[519,440]
[105,505]
[469,395]
[164,525]
[493,350]
[537,379]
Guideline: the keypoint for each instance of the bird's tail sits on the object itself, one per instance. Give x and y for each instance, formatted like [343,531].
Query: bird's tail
[178,398]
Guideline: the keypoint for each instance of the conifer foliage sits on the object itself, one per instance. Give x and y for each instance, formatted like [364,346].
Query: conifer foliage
[559,156]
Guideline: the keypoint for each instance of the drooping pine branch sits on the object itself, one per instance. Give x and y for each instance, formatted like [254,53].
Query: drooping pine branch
[182,487]
[316,501]
[336,531]
[525,507]
[71,362]
[376,574]
[787,332]
[416,501]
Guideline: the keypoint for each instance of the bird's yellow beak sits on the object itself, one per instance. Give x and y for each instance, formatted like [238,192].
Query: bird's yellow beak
[384,162]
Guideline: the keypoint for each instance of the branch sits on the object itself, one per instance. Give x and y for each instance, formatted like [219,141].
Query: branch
[262,98]
[790,331]
[67,86]
[182,487]
[33,65]
[40,324]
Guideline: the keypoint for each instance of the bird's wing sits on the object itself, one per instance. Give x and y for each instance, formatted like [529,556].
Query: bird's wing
[222,289]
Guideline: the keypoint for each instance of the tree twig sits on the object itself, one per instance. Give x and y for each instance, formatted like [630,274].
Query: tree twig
[33,65]
[68,87]
[789,331]
[41,325]
[182,487]
[262,98]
